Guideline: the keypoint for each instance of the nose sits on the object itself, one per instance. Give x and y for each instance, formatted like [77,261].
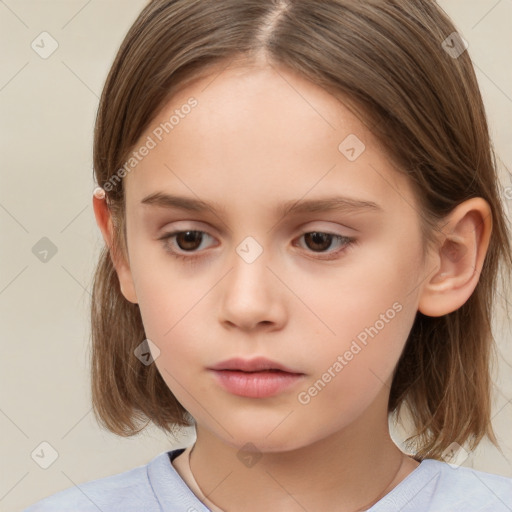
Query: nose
[252,296]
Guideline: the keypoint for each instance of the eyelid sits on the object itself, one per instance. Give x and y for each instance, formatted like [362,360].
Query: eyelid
[320,226]
[188,225]
[177,227]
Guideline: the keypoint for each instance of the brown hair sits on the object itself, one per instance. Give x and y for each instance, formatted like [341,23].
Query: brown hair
[387,60]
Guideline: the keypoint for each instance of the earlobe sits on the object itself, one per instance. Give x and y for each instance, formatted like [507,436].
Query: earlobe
[104,221]
[458,260]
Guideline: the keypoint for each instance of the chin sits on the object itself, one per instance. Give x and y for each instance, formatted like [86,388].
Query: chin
[266,438]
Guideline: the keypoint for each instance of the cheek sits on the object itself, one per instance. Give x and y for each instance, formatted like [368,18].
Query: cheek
[363,355]
[373,289]
[351,374]
[175,314]
[368,312]
[166,296]
[173,321]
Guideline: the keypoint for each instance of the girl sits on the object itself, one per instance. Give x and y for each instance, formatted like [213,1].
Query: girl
[304,232]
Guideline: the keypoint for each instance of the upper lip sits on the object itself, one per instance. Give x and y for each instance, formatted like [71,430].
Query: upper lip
[251,365]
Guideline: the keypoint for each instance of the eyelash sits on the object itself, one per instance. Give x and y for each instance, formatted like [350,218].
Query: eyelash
[348,242]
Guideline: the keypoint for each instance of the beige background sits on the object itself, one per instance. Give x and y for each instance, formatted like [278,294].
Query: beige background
[48,108]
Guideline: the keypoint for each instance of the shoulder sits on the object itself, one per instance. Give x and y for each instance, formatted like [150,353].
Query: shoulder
[471,487]
[127,491]
[437,486]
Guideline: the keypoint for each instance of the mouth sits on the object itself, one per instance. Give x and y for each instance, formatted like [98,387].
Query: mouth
[258,364]
[255,378]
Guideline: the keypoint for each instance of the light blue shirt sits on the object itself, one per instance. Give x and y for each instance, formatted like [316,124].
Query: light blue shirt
[433,486]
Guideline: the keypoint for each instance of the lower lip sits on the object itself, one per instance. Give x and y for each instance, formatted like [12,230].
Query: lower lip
[256,384]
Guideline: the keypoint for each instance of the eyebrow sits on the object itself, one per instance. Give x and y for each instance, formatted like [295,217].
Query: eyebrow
[294,206]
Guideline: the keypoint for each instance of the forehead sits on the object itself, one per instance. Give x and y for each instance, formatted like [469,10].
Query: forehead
[264,131]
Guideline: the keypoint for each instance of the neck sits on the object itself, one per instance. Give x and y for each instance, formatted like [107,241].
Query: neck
[347,471]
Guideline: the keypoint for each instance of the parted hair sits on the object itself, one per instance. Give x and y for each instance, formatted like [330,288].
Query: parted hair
[388,62]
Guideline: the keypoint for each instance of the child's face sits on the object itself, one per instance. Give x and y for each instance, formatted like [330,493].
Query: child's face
[256,139]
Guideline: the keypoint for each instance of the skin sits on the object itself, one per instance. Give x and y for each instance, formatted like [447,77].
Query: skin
[261,135]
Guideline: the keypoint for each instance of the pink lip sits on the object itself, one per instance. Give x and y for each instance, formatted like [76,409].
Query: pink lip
[254,378]
[251,365]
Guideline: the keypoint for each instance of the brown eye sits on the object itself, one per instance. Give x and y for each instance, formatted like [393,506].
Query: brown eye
[326,245]
[317,241]
[185,244]
[189,240]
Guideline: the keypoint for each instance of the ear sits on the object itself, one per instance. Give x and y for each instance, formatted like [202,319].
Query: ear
[459,258]
[122,267]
